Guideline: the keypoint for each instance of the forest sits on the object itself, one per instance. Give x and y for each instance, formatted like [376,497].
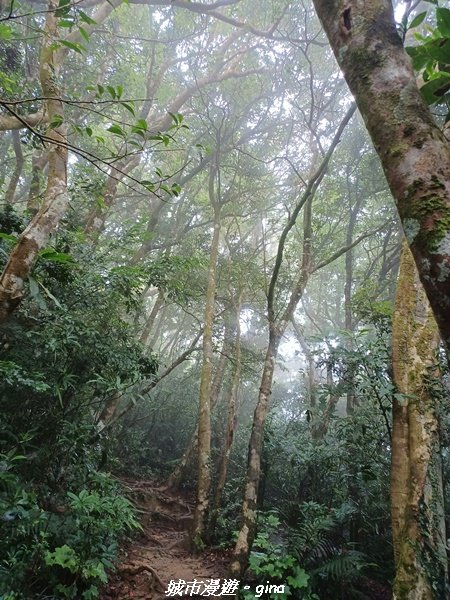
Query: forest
[224,299]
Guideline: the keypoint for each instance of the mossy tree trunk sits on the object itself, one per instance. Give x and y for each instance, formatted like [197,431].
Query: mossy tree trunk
[418,525]
[413,151]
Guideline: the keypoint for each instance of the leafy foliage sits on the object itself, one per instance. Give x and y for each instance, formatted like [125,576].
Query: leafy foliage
[61,360]
[431,57]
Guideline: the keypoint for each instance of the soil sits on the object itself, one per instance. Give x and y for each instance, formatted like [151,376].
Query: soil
[161,552]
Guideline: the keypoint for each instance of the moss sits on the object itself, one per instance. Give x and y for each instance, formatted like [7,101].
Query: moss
[430,209]
[399,149]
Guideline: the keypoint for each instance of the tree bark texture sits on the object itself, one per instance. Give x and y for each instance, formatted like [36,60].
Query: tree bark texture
[37,233]
[417,503]
[413,151]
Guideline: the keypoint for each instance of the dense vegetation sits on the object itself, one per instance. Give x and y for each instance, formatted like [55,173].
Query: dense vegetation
[200,255]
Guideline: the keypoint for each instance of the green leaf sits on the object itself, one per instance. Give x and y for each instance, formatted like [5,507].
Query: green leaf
[418,19]
[8,237]
[176,189]
[50,295]
[53,256]
[73,46]
[101,90]
[66,23]
[150,185]
[86,18]
[434,90]
[129,106]
[56,121]
[443,21]
[177,118]
[63,8]
[84,33]
[419,56]
[117,130]
[64,556]
[439,50]
[35,293]
[141,124]
[112,91]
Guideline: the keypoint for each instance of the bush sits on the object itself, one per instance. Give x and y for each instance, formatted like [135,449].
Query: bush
[65,551]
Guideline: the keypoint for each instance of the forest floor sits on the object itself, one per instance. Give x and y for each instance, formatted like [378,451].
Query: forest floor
[160,553]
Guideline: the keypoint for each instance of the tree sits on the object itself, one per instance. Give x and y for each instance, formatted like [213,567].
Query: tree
[413,151]
[278,321]
[417,502]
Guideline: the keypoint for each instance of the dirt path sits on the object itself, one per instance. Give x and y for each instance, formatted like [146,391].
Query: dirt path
[160,553]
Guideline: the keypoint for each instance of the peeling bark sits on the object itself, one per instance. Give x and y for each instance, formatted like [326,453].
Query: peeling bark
[417,503]
[413,151]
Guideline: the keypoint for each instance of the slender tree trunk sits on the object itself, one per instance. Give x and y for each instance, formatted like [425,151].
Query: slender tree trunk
[348,316]
[159,302]
[311,373]
[97,217]
[277,328]
[204,406]
[231,418]
[11,191]
[417,503]
[414,153]
[178,474]
[249,507]
[46,221]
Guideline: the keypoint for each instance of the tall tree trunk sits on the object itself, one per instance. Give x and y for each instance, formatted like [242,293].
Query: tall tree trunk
[204,406]
[277,327]
[178,474]
[231,417]
[348,314]
[417,503]
[311,373]
[46,221]
[158,304]
[413,151]
[249,506]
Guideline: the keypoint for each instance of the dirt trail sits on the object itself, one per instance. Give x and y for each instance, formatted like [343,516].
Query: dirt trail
[160,553]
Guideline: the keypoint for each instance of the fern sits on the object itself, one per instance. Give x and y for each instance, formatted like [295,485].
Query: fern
[345,566]
[318,544]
